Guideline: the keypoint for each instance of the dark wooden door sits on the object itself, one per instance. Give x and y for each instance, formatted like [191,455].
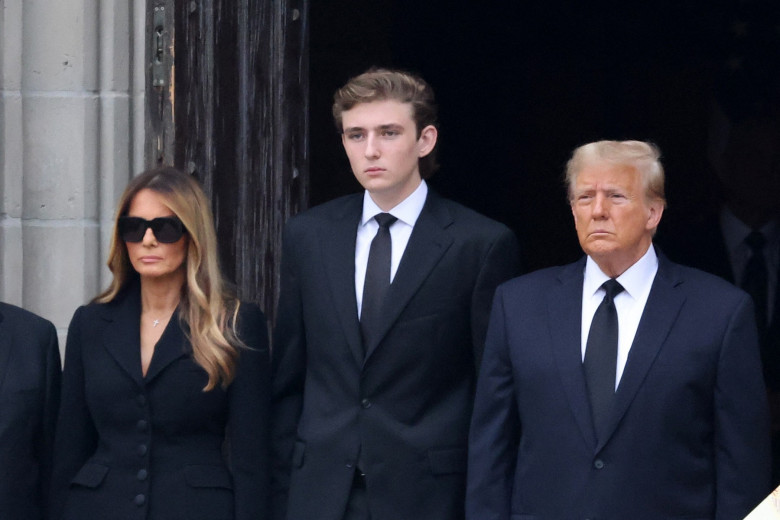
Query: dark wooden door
[227,101]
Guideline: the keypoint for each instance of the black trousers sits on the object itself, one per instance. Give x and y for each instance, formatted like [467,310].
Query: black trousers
[357,505]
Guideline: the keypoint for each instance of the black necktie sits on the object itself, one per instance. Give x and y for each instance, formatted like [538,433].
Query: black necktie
[377,277]
[601,357]
[754,278]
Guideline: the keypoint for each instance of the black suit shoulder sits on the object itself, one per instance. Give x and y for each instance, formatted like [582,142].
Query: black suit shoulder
[30,335]
[26,321]
[463,213]
[467,222]
[98,310]
[702,286]
[542,279]
[329,210]
[301,231]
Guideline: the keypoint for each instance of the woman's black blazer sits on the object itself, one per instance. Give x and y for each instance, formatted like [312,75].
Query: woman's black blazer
[159,447]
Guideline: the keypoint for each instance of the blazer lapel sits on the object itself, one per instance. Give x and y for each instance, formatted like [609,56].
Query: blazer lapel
[564,318]
[171,346]
[338,257]
[121,335]
[5,347]
[661,310]
[427,244]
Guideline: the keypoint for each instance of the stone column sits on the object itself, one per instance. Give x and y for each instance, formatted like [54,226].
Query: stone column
[71,95]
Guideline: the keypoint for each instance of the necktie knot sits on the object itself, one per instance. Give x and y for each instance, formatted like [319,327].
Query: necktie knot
[385,220]
[612,287]
[755,241]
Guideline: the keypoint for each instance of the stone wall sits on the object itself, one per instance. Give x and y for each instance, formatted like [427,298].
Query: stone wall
[71,135]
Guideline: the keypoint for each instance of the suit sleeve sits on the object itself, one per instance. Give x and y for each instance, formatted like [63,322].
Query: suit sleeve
[249,418]
[75,437]
[741,420]
[501,263]
[495,427]
[52,374]
[288,375]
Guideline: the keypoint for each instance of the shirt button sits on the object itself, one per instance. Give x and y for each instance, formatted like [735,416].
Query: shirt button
[598,464]
[141,426]
[365,403]
[139,500]
[142,474]
[141,450]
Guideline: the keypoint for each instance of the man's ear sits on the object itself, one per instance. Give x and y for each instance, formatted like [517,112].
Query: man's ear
[656,211]
[427,141]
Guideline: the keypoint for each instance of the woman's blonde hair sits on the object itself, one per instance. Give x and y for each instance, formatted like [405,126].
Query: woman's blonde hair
[207,309]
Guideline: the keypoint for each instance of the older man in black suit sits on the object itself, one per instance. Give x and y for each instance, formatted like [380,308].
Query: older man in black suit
[382,318]
[29,398]
[623,385]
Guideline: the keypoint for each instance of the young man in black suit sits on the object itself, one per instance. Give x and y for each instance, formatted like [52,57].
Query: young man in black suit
[380,328]
[29,398]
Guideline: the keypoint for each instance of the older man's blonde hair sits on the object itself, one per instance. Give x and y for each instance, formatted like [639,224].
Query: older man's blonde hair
[643,156]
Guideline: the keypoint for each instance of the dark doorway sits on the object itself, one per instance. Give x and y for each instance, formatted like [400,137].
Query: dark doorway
[520,84]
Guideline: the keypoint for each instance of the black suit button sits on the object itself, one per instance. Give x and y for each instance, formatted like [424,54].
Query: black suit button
[142,474]
[141,425]
[141,450]
[598,464]
[141,400]
[139,500]
[349,465]
[365,403]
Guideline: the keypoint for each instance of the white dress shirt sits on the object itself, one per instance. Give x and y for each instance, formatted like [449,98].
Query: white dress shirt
[407,213]
[630,303]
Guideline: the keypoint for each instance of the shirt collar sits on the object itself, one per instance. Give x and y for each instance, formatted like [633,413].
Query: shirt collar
[735,231]
[407,211]
[635,280]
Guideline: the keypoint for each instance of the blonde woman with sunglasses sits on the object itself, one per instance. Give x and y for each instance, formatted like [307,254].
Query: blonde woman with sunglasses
[164,410]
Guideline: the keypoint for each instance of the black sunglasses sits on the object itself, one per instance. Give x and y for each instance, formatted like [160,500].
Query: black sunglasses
[167,230]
